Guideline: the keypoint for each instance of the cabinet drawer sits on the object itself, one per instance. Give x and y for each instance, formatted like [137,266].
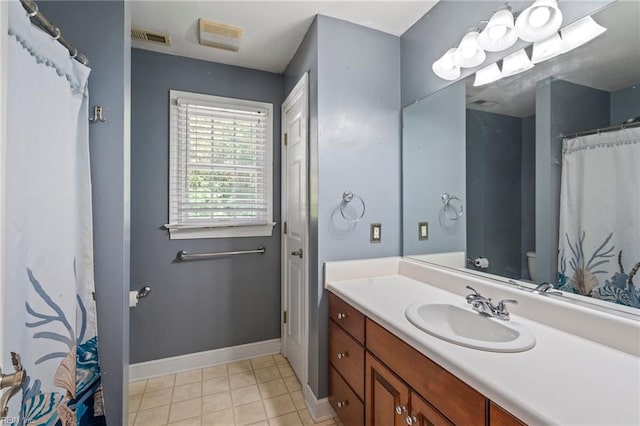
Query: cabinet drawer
[347,317]
[459,402]
[347,356]
[345,403]
[498,416]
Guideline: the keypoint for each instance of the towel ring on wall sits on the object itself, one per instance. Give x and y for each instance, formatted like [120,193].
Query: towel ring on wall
[448,207]
[347,197]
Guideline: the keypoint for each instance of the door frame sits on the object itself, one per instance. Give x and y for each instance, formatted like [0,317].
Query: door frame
[300,89]
[4,26]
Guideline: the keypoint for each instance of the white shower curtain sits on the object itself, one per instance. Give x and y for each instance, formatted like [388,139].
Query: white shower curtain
[49,297]
[600,216]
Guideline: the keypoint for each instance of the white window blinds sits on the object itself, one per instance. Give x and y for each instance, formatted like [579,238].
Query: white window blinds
[221,162]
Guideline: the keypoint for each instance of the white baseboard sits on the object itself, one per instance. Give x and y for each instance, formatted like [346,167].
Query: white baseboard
[176,364]
[320,409]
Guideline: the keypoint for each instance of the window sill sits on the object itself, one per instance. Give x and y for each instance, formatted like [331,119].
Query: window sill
[265,230]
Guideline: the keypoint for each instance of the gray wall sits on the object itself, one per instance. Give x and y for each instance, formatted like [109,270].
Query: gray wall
[444,26]
[101,31]
[528,166]
[433,162]
[561,108]
[625,104]
[494,191]
[197,305]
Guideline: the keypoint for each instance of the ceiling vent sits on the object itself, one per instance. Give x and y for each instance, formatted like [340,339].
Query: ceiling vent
[220,36]
[150,36]
[483,103]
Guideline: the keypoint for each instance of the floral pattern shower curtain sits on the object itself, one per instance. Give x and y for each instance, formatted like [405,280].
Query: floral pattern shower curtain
[49,296]
[600,217]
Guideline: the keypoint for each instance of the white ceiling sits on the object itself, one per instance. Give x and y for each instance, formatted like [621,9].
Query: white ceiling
[273,29]
[610,62]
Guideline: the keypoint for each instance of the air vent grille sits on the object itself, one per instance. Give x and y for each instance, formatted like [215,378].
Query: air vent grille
[484,103]
[221,36]
[150,36]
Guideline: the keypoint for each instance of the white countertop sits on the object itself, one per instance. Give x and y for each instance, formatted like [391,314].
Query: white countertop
[565,379]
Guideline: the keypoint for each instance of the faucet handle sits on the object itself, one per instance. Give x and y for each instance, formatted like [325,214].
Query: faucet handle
[501,305]
[473,296]
[475,292]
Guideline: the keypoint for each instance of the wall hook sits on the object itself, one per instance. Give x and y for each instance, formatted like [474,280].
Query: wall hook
[97,115]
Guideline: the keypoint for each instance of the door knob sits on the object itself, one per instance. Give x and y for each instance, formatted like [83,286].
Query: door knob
[13,382]
[297,253]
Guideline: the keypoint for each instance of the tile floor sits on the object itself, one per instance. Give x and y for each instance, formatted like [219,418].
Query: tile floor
[260,391]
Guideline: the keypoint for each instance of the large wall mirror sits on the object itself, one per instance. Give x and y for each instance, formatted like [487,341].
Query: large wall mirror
[495,182]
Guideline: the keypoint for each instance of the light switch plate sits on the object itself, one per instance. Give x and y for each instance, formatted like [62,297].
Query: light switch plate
[423,231]
[376,232]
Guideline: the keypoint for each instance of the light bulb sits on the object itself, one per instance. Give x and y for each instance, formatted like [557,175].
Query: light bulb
[497,32]
[539,17]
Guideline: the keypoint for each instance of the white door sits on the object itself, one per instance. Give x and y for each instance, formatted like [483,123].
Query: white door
[295,219]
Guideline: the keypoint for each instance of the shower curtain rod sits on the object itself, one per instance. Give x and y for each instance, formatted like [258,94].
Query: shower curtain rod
[33,12]
[602,130]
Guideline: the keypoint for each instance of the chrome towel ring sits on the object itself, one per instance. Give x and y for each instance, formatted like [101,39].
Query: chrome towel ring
[347,197]
[451,212]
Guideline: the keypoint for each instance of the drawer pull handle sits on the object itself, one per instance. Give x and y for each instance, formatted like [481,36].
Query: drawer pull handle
[341,404]
[412,420]
[343,355]
[401,409]
[341,316]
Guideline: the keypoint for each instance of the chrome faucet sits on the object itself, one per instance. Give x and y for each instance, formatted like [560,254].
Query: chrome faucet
[485,306]
[13,382]
[543,288]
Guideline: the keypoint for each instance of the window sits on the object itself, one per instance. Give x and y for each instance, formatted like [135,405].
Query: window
[221,168]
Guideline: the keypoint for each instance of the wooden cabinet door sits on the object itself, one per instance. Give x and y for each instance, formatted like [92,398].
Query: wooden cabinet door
[423,413]
[387,397]
[498,416]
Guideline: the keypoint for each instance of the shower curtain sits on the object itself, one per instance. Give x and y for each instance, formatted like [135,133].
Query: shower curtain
[49,291]
[599,243]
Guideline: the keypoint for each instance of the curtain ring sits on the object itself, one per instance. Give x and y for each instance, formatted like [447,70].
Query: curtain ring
[58,34]
[75,53]
[35,12]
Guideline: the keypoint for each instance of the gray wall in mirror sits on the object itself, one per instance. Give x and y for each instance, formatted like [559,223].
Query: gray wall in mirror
[528,231]
[625,104]
[433,162]
[443,27]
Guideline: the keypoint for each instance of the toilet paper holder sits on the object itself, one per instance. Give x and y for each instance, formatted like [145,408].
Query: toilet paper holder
[143,292]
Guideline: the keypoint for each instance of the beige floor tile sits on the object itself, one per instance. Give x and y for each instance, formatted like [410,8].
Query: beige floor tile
[188,377]
[219,418]
[262,362]
[267,374]
[185,392]
[286,370]
[136,388]
[308,421]
[245,395]
[291,419]
[185,410]
[216,402]
[195,421]
[272,389]
[152,417]
[249,413]
[279,359]
[298,400]
[262,423]
[163,382]
[134,402]
[239,367]
[156,398]
[215,385]
[243,379]
[131,419]
[292,383]
[279,406]
[214,371]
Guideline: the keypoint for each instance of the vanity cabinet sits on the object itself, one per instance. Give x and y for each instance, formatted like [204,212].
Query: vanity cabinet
[376,379]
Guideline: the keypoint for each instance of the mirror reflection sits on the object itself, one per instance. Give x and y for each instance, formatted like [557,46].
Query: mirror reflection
[534,177]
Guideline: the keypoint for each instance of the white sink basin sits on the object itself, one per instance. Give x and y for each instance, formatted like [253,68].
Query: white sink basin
[468,328]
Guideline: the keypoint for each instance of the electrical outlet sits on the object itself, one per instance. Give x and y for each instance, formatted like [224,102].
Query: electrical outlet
[376,232]
[423,231]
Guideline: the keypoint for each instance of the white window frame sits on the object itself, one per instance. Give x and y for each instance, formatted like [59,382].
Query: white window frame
[221,229]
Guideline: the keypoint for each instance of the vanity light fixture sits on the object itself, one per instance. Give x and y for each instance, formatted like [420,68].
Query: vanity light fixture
[487,75]
[445,67]
[469,54]
[539,21]
[500,32]
[547,49]
[580,32]
[515,63]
